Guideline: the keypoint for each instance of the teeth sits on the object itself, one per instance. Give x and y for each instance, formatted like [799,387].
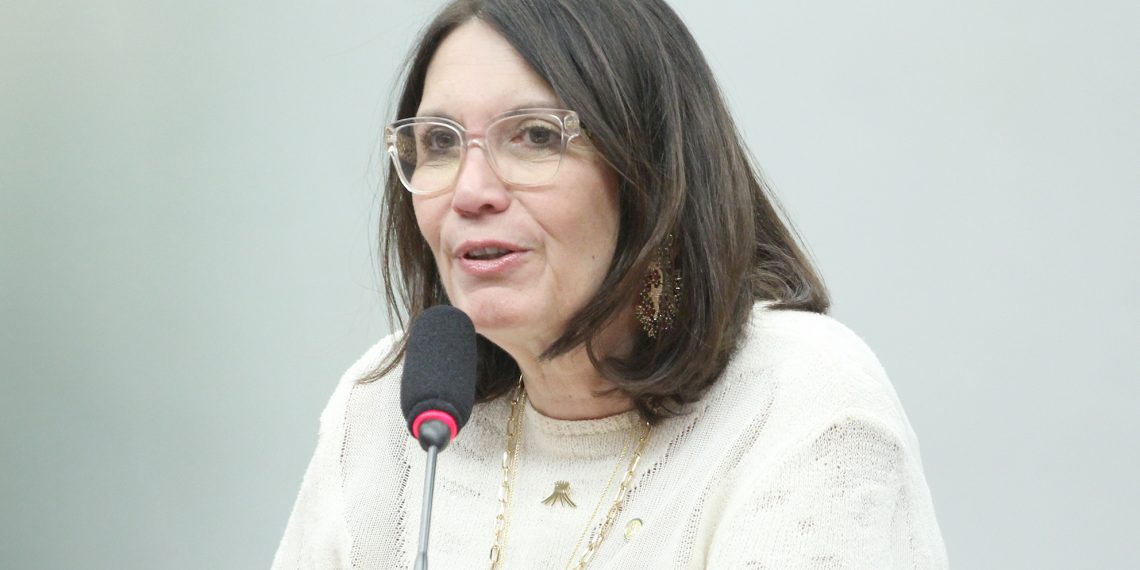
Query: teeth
[487,253]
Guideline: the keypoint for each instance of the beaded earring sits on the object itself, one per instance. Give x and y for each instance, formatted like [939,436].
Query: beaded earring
[659,293]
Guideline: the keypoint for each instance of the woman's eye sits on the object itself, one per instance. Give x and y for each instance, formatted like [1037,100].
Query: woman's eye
[440,139]
[539,135]
[528,138]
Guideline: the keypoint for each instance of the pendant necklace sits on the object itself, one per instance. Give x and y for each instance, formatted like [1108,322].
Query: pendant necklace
[561,493]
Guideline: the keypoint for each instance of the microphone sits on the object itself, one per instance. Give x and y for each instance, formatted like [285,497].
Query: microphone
[437,392]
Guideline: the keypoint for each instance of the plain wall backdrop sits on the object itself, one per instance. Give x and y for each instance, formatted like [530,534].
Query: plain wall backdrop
[187,201]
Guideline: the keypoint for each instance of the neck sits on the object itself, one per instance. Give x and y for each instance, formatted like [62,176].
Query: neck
[570,388]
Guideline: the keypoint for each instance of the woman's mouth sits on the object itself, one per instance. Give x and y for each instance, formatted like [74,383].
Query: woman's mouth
[489,259]
[485,253]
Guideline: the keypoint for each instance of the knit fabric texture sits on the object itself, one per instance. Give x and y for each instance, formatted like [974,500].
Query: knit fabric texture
[799,457]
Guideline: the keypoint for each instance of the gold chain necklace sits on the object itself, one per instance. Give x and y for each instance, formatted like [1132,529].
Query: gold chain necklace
[506,488]
[598,506]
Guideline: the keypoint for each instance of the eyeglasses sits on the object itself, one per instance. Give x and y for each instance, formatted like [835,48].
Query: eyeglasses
[524,147]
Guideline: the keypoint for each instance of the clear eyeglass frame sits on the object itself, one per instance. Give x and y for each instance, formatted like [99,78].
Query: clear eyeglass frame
[515,170]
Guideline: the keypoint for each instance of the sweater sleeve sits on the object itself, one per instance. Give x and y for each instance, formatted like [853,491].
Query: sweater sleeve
[851,495]
[317,535]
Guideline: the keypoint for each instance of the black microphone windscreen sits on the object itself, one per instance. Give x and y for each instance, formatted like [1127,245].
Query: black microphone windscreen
[439,365]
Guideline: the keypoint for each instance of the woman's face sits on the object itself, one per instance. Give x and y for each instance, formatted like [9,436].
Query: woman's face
[553,242]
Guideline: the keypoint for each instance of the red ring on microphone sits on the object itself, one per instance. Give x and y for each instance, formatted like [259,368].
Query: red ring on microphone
[435,415]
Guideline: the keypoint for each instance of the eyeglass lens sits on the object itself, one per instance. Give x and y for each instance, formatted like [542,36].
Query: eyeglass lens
[522,149]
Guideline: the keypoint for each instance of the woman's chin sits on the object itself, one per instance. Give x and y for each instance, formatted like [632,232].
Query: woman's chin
[494,314]
[504,321]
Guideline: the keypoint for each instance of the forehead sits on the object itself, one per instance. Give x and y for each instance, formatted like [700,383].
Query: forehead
[476,74]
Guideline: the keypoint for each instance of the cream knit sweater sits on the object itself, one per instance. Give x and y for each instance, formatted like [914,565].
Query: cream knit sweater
[800,457]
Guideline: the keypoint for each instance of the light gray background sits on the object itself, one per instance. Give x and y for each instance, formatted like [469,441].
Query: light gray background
[187,194]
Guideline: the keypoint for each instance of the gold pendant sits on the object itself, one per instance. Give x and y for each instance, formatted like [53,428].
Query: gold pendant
[632,529]
[561,495]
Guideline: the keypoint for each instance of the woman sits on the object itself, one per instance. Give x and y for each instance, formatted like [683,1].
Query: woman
[658,386]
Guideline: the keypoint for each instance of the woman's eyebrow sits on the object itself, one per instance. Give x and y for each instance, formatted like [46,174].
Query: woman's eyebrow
[436,113]
[533,104]
[537,104]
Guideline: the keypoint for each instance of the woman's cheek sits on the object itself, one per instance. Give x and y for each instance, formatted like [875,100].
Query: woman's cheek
[428,221]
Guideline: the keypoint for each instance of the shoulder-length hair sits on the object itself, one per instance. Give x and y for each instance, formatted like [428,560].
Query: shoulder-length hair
[652,109]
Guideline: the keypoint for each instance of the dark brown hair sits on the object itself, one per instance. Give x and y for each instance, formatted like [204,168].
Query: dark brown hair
[652,109]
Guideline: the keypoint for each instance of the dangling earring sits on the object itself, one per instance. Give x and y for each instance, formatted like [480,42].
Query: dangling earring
[659,293]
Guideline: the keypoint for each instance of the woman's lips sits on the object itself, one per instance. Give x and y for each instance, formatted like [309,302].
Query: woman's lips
[488,257]
[491,266]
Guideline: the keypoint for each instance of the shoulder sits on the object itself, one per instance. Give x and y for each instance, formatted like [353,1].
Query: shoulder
[802,338]
[350,384]
[812,371]
[823,421]
[374,356]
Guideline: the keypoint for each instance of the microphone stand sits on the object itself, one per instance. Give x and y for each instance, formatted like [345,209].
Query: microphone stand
[434,436]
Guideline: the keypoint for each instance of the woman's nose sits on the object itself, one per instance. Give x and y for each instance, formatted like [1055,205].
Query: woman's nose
[478,190]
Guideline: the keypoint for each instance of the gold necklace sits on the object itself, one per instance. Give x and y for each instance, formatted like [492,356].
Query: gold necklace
[510,461]
[598,506]
[506,488]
